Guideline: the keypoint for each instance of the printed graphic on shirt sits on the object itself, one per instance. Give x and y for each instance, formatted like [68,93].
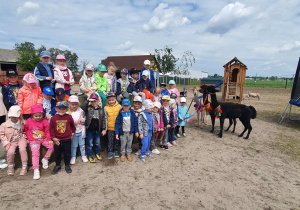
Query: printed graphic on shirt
[15,91]
[64,73]
[61,126]
[37,133]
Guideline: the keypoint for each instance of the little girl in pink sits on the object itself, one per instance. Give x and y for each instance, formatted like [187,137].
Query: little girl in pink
[37,131]
[157,95]
[173,89]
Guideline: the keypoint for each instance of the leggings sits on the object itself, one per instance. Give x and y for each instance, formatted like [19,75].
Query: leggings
[177,129]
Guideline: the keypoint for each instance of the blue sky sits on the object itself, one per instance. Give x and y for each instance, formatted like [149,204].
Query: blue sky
[265,35]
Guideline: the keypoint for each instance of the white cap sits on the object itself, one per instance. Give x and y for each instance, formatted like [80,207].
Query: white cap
[145,73]
[147,62]
[183,100]
[148,104]
[14,111]
[157,104]
[137,99]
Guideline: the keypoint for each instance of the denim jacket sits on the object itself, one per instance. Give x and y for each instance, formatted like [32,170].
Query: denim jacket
[143,124]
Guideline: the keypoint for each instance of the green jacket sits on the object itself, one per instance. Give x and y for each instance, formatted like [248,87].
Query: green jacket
[102,83]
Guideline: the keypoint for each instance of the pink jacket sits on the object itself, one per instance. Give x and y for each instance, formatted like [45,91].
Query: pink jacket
[37,130]
[161,121]
[7,131]
[174,90]
[60,80]
[28,97]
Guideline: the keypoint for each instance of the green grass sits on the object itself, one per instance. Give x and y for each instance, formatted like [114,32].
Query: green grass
[289,145]
[268,84]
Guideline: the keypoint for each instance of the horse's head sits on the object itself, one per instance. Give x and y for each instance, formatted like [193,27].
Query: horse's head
[195,90]
[211,89]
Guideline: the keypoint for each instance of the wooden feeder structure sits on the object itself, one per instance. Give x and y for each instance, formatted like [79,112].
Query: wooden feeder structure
[234,80]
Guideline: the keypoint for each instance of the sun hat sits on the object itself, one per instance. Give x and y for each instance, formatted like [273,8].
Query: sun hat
[124,71]
[173,95]
[45,53]
[73,99]
[148,104]
[30,78]
[133,71]
[60,93]
[145,73]
[101,67]
[172,101]
[110,94]
[37,109]
[172,82]
[183,100]
[89,67]
[157,104]
[11,72]
[48,91]
[166,97]
[62,104]
[126,102]
[14,111]
[94,97]
[137,99]
[147,62]
[60,57]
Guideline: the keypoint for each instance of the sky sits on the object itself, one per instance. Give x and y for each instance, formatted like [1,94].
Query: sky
[264,35]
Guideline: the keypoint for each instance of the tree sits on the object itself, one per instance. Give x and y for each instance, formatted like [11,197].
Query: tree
[28,56]
[187,60]
[165,60]
[72,58]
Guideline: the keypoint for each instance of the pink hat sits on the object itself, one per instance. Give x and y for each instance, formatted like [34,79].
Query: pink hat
[73,98]
[60,57]
[30,78]
[36,109]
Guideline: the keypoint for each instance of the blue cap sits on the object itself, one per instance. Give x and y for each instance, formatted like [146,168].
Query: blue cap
[101,67]
[124,71]
[172,82]
[62,104]
[126,102]
[48,91]
[110,94]
[93,97]
[45,53]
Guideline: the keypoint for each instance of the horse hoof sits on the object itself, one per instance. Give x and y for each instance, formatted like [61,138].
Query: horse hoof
[246,138]
[225,130]
[232,131]
[211,131]
[240,135]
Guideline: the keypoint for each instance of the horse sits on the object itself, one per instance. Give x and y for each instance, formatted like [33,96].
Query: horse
[195,90]
[231,111]
[203,109]
[253,95]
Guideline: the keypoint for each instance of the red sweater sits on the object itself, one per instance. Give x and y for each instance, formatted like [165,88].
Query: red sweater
[62,127]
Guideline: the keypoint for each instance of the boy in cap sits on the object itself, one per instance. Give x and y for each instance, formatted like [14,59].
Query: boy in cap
[134,85]
[44,71]
[138,108]
[102,83]
[122,84]
[163,88]
[49,101]
[126,126]
[10,88]
[151,73]
[60,96]
[62,129]
[146,86]
[94,124]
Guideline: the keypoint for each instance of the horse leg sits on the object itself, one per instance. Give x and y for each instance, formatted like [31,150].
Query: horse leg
[234,124]
[212,117]
[230,123]
[249,129]
[245,128]
[201,119]
[221,127]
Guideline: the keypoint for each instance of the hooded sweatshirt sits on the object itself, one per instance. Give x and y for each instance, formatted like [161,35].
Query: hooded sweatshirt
[87,83]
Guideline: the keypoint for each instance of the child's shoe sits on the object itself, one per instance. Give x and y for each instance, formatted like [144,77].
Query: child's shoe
[178,135]
[98,157]
[184,135]
[92,159]
[122,159]
[162,146]
[55,169]
[110,155]
[68,169]
[143,158]
[45,163]
[155,151]
[169,144]
[3,165]
[10,170]
[23,171]
[2,161]
[116,154]
[138,152]
[84,159]
[174,143]
[73,160]
[129,158]
[148,154]
[36,174]
[166,147]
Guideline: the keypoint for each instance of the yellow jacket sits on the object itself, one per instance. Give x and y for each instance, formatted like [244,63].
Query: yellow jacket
[111,113]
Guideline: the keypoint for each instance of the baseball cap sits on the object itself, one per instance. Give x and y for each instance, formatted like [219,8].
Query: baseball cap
[163,84]
[89,67]
[60,93]
[48,91]
[147,62]
[74,99]
[14,111]
[126,102]
[124,71]
[172,82]
[101,67]
[110,94]
[62,104]
[183,100]
[45,53]
[137,99]
[145,73]
[30,78]
[11,72]
[60,57]
[133,71]
[173,95]
[166,97]
[93,97]
[157,104]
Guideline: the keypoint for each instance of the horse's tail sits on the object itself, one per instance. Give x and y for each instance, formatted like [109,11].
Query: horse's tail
[254,113]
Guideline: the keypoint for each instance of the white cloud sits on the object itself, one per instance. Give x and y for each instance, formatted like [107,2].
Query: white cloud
[28,6]
[3,32]
[231,16]
[126,46]
[290,47]
[64,47]
[31,20]
[164,17]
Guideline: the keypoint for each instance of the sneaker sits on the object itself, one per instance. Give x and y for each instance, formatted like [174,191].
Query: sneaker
[3,165]
[143,158]
[45,163]
[116,154]
[184,135]
[166,147]
[138,152]
[23,171]
[169,144]
[161,146]
[92,160]
[98,157]
[84,159]
[68,169]
[129,158]
[36,174]
[10,170]
[155,151]
[73,160]
[122,159]
[178,135]
[2,161]
[55,169]
[110,155]
[148,154]
[174,143]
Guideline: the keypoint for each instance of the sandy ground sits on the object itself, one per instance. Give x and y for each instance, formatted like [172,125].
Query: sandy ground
[203,172]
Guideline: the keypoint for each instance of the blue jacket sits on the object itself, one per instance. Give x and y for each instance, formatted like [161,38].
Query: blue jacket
[171,120]
[152,78]
[133,123]
[133,87]
[41,73]
[182,113]
[9,98]
[146,84]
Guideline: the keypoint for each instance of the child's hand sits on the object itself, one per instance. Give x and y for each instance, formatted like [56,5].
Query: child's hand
[49,78]
[168,126]
[104,133]
[142,136]
[137,134]
[117,137]
[7,147]
[50,143]
[56,141]
[86,91]
[52,80]
[48,116]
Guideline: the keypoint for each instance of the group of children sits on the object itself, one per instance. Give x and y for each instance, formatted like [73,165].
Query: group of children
[49,115]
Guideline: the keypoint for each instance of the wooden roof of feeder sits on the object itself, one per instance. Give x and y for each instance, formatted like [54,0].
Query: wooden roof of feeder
[235,60]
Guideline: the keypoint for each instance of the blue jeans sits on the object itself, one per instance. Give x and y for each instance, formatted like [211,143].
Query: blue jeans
[146,143]
[77,140]
[92,137]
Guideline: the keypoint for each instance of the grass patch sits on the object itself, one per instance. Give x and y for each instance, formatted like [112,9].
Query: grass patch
[289,145]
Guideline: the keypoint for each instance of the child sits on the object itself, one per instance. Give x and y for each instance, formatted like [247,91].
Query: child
[122,84]
[111,111]
[146,126]
[3,111]
[157,95]
[10,88]
[94,123]
[163,88]
[134,85]
[62,75]
[44,71]
[159,122]
[78,116]
[182,113]
[111,77]
[173,89]
[138,108]
[62,129]
[147,68]
[60,96]
[12,136]
[37,132]
[126,126]
[30,94]
[168,117]
[146,86]
[49,101]
[103,88]
[87,82]
[171,132]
